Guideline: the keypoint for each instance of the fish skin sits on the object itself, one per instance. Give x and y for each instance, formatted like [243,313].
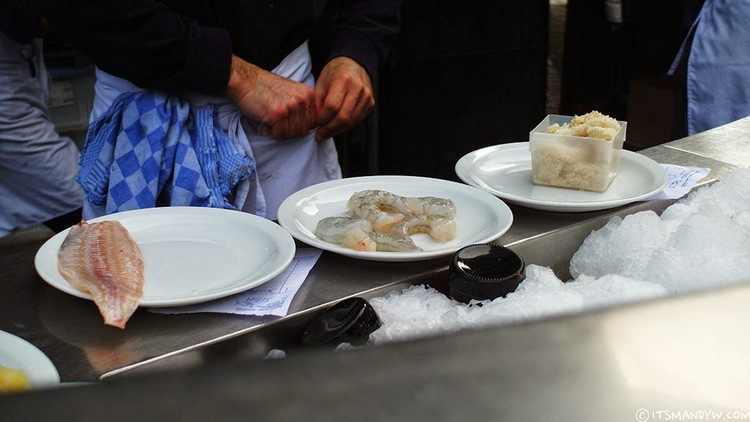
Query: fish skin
[102,259]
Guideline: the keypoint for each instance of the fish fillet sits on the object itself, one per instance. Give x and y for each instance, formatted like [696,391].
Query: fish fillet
[103,260]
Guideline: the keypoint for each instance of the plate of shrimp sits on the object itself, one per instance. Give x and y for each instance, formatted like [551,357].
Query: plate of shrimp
[394,218]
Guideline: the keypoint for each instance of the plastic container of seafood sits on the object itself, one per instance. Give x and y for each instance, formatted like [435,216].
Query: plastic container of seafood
[575,162]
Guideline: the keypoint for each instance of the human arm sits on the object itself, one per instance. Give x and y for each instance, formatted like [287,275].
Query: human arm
[343,97]
[344,90]
[150,45]
[286,107]
[343,93]
[365,30]
[147,43]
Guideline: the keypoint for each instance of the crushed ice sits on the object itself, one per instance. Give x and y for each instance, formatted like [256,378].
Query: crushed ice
[699,242]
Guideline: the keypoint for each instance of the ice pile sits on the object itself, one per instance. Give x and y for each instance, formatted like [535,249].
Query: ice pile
[700,242]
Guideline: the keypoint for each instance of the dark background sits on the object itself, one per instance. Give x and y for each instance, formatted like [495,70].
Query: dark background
[465,75]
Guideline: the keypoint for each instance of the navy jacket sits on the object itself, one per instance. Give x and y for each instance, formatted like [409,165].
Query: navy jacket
[175,45]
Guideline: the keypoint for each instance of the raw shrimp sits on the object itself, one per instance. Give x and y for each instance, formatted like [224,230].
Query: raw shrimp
[439,228]
[374,202]
[357,234]
[382,209]
[402,216]
[352,233]
[431,206]
[391,243]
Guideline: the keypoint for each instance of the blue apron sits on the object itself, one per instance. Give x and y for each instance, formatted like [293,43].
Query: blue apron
[718,66]
[38,167]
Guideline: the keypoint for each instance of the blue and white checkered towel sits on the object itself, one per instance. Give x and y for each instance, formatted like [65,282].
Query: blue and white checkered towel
[150,149]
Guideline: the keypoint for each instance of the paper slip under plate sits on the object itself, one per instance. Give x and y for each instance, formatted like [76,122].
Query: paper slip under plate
[680,180]
[270,298]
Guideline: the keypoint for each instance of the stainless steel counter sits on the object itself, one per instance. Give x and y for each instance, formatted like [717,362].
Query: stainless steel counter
[569,365]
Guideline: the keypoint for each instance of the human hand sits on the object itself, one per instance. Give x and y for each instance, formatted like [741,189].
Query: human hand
[343,97]
[286,108]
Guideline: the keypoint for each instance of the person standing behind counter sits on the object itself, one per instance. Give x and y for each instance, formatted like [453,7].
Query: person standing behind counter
[713,65]
[213,103]
[38,166]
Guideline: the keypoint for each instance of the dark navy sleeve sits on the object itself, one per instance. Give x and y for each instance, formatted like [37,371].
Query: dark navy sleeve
[366,29]
[144,42]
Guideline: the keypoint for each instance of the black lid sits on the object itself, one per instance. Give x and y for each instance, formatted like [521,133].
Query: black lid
[349,321]
[484,271]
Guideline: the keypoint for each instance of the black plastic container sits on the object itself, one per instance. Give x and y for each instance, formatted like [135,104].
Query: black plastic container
[349,321]
[484,272]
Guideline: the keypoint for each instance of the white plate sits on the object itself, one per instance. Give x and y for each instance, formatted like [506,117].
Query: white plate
[17,353]
[191,254]
[505,171]
[480,217]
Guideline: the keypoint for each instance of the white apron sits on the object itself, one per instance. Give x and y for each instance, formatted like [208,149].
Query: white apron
[38,167]
[282,166]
